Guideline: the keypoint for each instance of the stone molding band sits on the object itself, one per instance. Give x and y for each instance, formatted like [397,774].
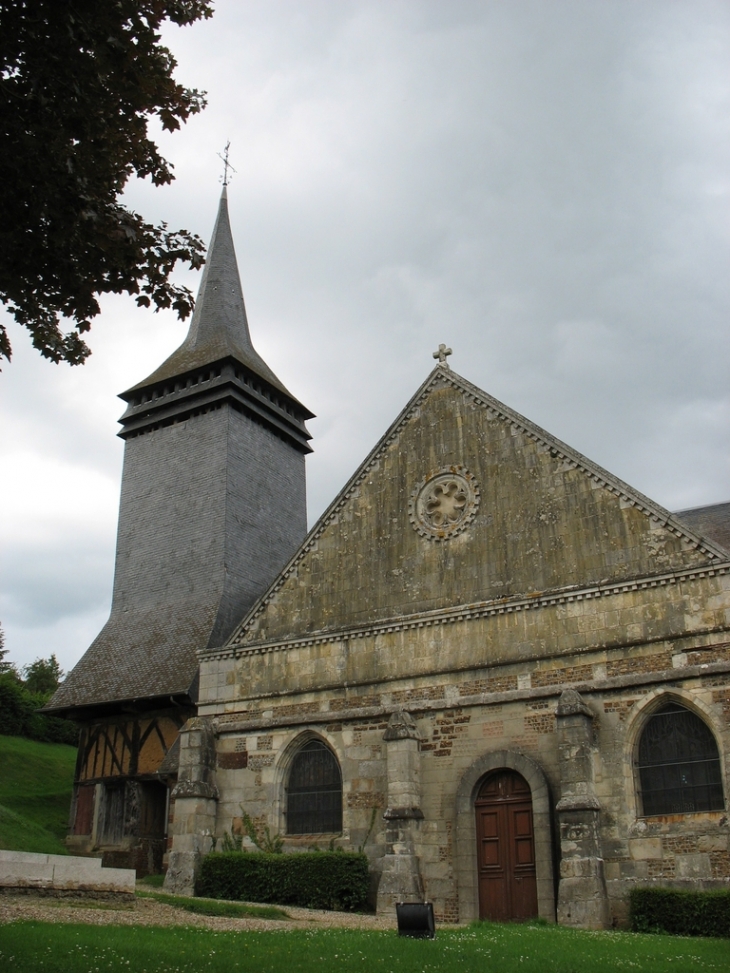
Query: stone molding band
[609,684]
[467,612]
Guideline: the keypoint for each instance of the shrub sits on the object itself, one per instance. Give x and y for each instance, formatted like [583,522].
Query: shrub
[315,880]
[681,912]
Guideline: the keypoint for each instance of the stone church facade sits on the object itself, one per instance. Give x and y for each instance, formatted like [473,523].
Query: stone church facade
[495,667]
[480,630]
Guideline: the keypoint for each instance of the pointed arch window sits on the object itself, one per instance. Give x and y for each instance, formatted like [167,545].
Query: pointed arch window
[679,764]
[314,792]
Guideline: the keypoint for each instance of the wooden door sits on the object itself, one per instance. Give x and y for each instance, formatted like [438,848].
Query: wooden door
[506,848]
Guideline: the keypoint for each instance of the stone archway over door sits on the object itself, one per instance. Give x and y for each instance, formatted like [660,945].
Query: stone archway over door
[467,875]
[506,848]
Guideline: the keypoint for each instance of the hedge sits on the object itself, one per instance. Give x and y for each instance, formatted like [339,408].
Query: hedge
[681,912]
[313,879]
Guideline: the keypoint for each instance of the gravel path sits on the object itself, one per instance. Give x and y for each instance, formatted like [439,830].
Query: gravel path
[149,912]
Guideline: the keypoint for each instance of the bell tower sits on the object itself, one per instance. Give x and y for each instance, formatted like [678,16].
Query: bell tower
[213,504]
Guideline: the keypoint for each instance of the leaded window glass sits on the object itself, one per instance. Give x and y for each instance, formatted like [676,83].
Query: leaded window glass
[679,765]
[314,794]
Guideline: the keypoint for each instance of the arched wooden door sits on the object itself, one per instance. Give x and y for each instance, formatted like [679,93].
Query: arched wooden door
[506,848]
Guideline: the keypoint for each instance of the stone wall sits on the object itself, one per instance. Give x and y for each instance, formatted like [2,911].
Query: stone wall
[464,717]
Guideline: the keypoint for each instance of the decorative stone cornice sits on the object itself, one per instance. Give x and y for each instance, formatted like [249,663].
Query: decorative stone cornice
[485,609]
[580,803]
[195,788]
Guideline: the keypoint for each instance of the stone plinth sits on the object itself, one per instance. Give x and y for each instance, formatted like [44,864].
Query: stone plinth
[26,871]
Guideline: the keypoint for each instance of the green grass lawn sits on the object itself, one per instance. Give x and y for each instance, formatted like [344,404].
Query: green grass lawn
[35,794]
[31,947]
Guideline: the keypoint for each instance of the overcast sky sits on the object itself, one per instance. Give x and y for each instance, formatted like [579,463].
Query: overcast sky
[542,184]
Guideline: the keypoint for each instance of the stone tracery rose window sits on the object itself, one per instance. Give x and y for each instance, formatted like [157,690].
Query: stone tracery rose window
[444,503]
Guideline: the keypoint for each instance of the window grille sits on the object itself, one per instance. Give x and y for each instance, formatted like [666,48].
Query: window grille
[679,765]
[314,795]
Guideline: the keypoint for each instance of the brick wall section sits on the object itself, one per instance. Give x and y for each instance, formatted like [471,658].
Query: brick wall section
[713,653]
[449,912]
[621,707]
[639,663]
[444,732]
[415,695]
[354,702]
[556,677]
[720,864]
[258,760]
[681,844]
[297,709]
[238,760]
[661,868]
[544,723]
[492,684]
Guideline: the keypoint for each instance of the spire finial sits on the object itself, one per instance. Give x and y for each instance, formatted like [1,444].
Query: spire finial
[226,164]
[442,354]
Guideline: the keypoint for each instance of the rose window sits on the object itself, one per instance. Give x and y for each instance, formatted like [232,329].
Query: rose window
[444,503]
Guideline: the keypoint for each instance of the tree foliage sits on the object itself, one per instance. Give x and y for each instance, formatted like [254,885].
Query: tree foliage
[43,676]
[79,82]
[22,695]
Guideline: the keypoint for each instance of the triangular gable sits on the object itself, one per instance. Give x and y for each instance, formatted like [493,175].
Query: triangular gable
[541,518]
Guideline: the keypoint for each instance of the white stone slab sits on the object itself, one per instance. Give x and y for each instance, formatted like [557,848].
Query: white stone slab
[19,869]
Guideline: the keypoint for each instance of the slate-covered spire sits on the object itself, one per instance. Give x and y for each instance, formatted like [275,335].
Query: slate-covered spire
[218,336]
[219,327]
[213,504]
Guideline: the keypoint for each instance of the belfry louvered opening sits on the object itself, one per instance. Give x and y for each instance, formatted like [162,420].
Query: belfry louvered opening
[314,793]
[679,764]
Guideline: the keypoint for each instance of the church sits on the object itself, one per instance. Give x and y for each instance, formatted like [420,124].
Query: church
[493,666]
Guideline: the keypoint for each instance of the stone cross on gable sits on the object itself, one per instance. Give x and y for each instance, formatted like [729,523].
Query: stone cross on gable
[442,354]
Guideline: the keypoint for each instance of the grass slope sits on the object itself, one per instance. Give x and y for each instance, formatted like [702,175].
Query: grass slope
[35,794]
[51,948]
[214,907]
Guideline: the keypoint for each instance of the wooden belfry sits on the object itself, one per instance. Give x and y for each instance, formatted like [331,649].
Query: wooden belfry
[195,548]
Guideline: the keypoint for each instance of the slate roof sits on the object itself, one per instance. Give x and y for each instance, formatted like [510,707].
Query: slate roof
[219,327]
[152,652]
[712,522]
[139,655]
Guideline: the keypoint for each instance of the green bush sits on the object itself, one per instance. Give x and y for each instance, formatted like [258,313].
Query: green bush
[19,716]
[315,880]
[681,912]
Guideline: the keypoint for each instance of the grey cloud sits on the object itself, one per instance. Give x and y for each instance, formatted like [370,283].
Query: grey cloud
[543,186]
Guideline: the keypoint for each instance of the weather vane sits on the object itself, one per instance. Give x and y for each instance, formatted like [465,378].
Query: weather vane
[226,164]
